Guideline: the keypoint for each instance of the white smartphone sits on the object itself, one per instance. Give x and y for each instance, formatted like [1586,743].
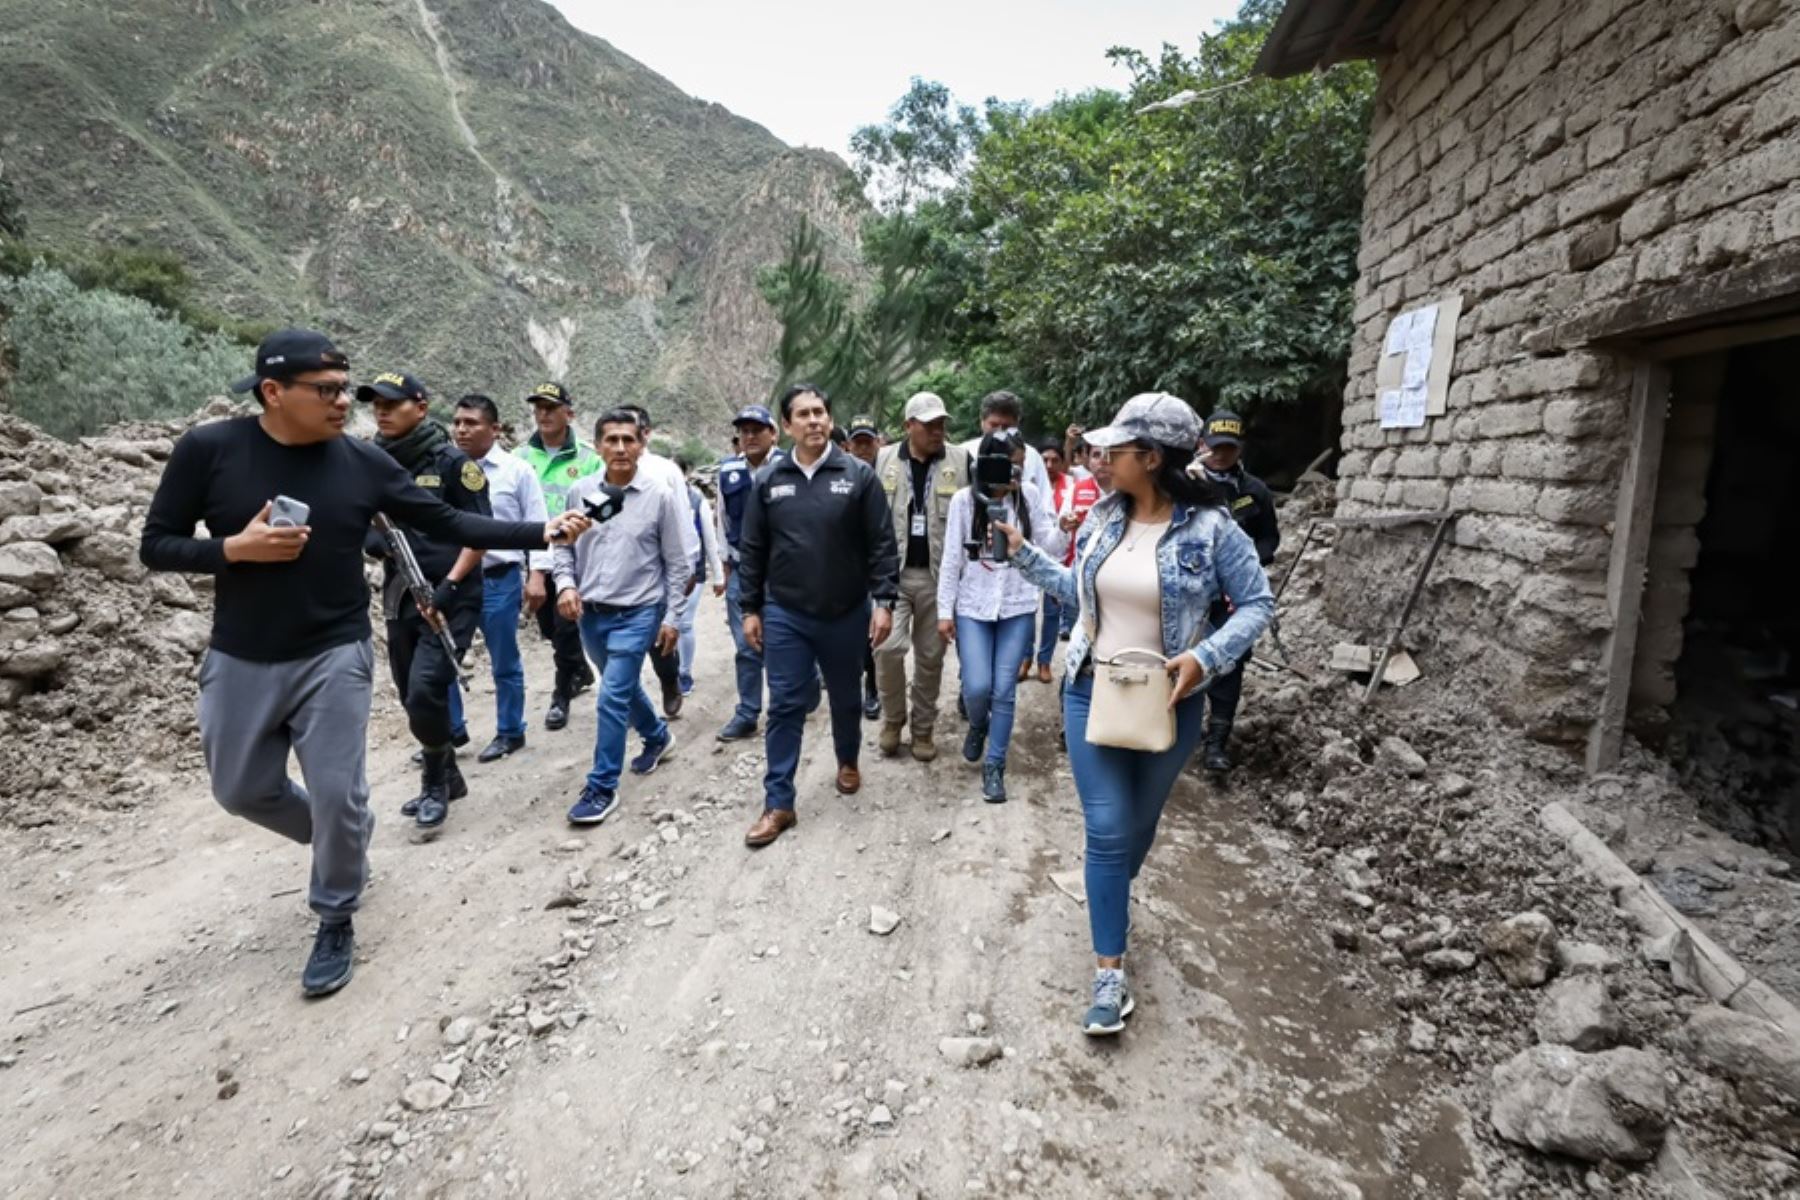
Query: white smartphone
[286,512]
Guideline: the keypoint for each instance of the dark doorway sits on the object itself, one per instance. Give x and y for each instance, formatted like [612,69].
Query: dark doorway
[1728,518]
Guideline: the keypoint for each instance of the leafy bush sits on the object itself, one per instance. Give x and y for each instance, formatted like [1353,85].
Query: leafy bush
[88,358]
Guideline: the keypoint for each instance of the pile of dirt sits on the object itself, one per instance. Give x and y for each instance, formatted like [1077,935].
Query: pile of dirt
[97,656]
[1418,820]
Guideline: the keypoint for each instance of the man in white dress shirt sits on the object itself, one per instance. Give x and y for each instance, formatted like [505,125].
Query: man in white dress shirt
[516,495]
[653,468]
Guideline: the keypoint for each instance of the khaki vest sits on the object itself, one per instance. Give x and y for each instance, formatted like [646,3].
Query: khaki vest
[945,477]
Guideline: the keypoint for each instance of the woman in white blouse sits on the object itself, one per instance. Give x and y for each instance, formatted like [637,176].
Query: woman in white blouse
[984,606]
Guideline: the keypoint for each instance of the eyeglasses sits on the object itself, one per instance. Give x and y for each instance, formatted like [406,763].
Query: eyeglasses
[329,393]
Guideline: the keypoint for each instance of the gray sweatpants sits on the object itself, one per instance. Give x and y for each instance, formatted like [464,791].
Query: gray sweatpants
[253,713]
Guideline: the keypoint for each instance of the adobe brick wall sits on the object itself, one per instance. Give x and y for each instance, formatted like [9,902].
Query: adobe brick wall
[1540,157]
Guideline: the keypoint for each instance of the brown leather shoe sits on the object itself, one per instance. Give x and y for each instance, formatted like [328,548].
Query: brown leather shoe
[1025,670]
[849,780]
[1044,673]
[923,748]
[771,825]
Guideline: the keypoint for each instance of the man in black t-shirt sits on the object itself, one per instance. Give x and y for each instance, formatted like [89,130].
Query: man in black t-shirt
[422,671]
[291,666]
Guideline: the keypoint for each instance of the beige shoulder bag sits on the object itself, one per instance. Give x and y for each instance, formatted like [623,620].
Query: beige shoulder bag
[1129,708]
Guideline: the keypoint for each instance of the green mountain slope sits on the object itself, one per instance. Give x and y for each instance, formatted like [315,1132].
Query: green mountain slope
[468,188]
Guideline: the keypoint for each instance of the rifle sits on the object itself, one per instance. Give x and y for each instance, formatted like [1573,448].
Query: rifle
[416,583]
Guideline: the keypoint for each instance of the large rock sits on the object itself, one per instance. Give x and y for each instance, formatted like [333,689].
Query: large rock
[19,498]
[970,1051]
[1578,1011]
[1522,947]
[114,555]
[14,596]
[1748,1048]
[1594,1107]
[38,658]
[1395,754]
[53,529]
[30,565]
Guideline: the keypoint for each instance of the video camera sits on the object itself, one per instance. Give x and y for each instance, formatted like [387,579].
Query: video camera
[606,505]
[991,471]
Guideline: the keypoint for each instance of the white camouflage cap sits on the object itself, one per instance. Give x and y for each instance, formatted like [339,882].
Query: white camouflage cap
[1155,417]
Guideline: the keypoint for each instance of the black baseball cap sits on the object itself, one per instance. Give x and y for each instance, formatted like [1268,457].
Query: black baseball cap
[288,352]
[864,426]
[550,393]
[1224,429]
[392,385]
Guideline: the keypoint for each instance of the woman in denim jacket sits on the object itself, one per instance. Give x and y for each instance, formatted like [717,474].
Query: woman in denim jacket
[1150,561]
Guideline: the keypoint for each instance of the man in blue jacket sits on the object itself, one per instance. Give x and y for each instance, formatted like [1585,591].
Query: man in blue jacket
[817,544]
[755,427]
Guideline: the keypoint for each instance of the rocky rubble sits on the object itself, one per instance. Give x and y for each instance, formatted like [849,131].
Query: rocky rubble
[97,658]
[1416,818]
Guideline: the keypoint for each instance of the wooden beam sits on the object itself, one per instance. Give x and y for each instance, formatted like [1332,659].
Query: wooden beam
[1349,33]
[1768,288]
[1707,341]
[1635,518]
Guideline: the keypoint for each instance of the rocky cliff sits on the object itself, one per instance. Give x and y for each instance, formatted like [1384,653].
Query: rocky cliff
[472,189]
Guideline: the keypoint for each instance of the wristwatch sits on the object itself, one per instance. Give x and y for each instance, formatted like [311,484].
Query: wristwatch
[887,604]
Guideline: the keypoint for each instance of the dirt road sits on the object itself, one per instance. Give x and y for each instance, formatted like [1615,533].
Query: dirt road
[654,1010]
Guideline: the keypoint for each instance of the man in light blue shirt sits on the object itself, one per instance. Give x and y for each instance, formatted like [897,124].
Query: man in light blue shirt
[513,490]
[623,586]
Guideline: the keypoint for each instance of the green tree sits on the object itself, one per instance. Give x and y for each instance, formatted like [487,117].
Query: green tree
[1208,250]
[860,349]
[89,358]
[921,149]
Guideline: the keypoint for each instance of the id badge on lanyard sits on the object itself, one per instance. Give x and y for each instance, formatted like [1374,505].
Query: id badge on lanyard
[918,524]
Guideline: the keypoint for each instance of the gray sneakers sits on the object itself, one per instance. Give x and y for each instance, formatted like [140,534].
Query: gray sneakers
[1112,1003]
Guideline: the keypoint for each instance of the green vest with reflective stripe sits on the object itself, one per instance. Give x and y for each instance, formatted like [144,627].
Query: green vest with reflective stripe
[560,470]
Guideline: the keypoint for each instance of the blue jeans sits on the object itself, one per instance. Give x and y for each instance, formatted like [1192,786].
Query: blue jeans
[684,621]
[616,643]
[1122,795]
[798,649]
[989,654]
[1051,630]
[749,660]
[501,597]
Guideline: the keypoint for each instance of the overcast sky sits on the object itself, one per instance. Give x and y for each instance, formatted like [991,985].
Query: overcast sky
[811,71]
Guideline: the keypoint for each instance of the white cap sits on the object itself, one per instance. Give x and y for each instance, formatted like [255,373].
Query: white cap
[927,407]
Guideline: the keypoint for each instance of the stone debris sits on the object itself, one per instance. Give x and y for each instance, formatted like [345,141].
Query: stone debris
[1396,754]
[1578,1011]
[426,1095]
[1573,958]
[460,1030]
[1449,962]
[1594,1107]
[970,1051]
[1746,1049]
[883,921]
[1523,947]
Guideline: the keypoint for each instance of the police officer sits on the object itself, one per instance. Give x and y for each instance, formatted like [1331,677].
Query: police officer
[1254,509]
[561,461]
[755,427]
[422,670]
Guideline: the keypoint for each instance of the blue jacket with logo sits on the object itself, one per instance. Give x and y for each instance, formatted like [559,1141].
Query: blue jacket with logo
[735,477]
[1202,557]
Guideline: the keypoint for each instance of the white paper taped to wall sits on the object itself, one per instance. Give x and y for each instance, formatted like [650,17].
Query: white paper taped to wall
[1403,407]
[1398,330]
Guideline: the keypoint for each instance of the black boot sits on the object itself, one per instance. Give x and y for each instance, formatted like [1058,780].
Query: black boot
[434,791]
[454,785]
[1213,755]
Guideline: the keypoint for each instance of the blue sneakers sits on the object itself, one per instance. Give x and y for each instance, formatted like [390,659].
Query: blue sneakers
[593,807]
[1112,1004]
[974,742]
[654,753]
